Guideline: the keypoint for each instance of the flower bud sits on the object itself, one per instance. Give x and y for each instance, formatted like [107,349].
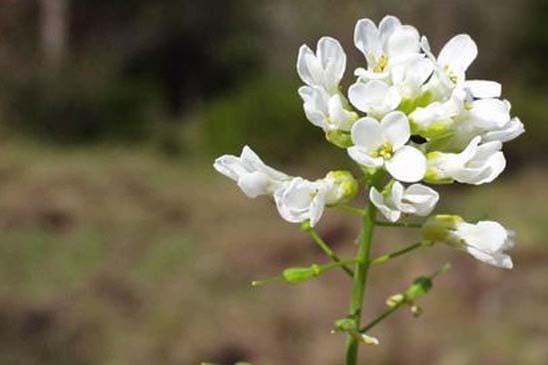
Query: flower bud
[416,311]
[369,340]
[345,187]
[295,275]
[339,138]
[420,287]
[345,325]
[395,300]
[437,227]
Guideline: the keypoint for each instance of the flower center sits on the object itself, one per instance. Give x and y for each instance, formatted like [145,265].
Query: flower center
[450,74]
[385,151]
[381,64]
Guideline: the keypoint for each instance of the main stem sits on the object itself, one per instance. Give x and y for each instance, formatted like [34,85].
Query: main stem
[359,281]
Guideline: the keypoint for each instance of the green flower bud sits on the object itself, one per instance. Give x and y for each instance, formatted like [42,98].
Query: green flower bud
[437,227]
[295,275]
[420,287]
[339,138]
[346,187]
[345,325]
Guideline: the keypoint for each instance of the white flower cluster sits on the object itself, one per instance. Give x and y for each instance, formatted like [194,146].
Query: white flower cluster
[412,114]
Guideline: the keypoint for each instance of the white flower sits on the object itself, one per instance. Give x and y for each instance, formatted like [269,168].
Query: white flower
[374,97]
[383,144]
[301,200]
[326,111]
[325,68]
[477,164]
[410,76]
[454,59]
[252,175]
[486,113]
[416,199]
[385,46]
[487,241]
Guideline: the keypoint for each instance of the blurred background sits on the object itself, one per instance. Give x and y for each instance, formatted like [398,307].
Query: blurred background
[119,244]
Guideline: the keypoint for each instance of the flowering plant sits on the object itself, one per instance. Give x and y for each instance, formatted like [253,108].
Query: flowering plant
[409,117]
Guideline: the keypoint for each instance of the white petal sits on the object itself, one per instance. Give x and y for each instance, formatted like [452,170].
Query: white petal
[374,96]
[305,57]
[490,113]
[501,260]
[377,199]
[386,28]
[496,164]
[486,241]
[340,118]
[395,129]
[362,157]
[230,166]
[425,46]
[511,130]
[315,105]
[254,163]
[408,164]
[332,59]
[403,41]
[317,207]
[255,184]
[367,38]
[422,198]
[458,53]
[483,89]
[367,133]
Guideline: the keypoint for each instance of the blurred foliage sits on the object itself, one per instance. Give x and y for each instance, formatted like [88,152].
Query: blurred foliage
[79,110]
[266,113]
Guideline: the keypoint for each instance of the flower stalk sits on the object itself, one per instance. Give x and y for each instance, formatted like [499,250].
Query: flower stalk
[325,247]
[360,280]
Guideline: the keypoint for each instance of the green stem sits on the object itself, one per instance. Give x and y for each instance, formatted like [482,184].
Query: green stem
[380,318]
[382,259]
[350,209]
[400,224]
[320,268]
[359,282]
[326,249]
[405,300]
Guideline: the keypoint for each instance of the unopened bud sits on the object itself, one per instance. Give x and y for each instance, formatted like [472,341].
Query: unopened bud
[395,300]
[339,138]
[420,287]
[369,340]
[416,310]
[345,187]
[295,275]
[345,325]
